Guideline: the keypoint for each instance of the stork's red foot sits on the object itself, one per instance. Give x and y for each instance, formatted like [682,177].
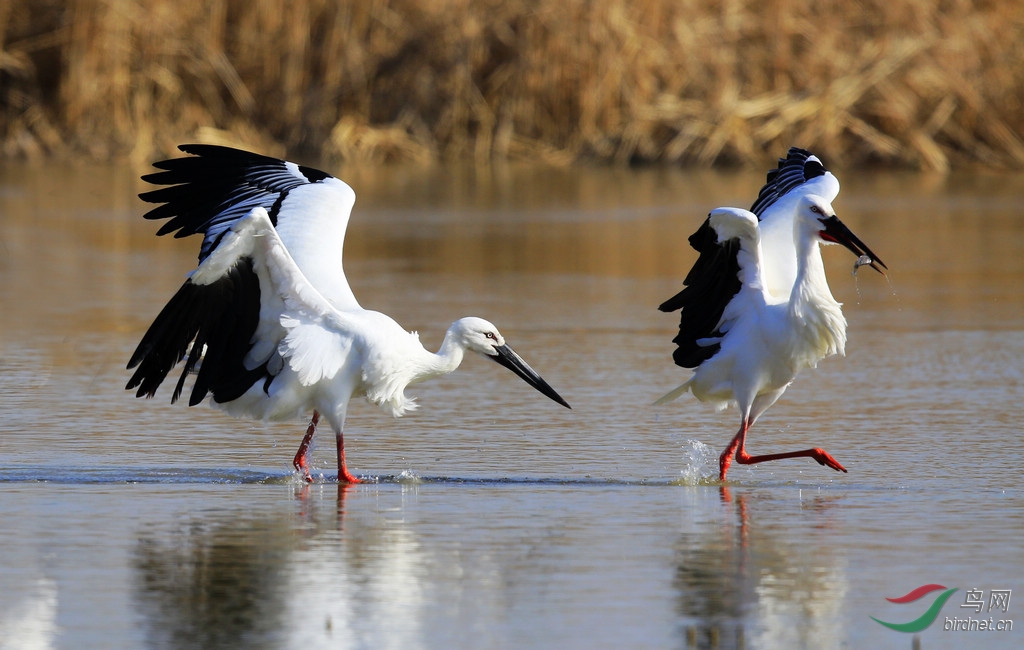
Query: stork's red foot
[301,463]
[345,477]
[723,464]
[825,458]
[726,458]
[301,460]
[343,473]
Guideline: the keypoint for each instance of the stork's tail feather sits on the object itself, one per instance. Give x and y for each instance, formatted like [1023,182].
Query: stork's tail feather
[673,394]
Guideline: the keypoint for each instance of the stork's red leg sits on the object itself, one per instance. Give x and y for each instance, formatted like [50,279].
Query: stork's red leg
[343,473]
[301,460]
[818,454]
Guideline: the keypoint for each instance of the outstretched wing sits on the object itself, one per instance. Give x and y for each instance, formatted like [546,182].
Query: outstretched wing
[208,192]
[233,351]
[714,278]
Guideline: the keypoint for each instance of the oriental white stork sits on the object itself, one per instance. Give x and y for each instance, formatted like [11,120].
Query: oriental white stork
[756,306]
[267,322]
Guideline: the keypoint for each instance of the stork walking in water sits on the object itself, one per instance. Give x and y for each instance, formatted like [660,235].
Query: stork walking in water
[756,307]
[267,322]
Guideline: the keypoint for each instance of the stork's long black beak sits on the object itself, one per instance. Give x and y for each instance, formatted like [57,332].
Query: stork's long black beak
[836,231]
[507,357]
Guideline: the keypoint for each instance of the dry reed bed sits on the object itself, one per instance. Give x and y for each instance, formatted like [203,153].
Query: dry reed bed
[907,82]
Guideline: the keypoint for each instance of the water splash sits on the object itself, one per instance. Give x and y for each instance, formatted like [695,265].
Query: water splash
[701,463]
[408,477]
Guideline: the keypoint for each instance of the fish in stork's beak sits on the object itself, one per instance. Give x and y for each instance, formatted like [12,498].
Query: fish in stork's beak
[507,357]
[836,231]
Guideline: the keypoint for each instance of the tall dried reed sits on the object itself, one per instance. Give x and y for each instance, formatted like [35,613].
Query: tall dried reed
[920,83]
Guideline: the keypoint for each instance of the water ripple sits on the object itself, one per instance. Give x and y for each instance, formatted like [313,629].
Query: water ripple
[183,475]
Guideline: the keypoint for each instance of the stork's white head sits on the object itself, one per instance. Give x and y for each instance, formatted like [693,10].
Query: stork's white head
[477,335]
[812,210]
[816,217]
[482,337]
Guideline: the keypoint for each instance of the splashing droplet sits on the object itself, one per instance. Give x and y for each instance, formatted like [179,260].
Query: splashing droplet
[701,463]
[408,477]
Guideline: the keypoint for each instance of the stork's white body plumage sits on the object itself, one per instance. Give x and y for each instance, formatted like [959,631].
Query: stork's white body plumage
[780,319]
[267,322]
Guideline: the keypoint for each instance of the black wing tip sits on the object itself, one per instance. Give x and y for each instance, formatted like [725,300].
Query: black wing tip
[212,186]
[226,155]
[201,149]
[670,305]
[213,323]
[795,169]
[797,156]
[213,152]
[204,156]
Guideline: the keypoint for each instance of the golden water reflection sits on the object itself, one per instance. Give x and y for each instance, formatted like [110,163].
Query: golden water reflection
[72,237]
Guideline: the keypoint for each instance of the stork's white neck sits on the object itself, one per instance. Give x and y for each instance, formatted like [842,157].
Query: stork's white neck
[450,354]
[813,310]
[434,364]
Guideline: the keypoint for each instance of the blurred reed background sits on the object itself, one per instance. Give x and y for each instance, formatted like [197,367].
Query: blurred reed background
[916,83]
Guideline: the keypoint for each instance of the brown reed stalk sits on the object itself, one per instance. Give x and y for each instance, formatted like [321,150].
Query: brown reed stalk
[906,82]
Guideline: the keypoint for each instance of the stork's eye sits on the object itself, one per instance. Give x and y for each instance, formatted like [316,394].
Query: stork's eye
[815,209]
[491,336]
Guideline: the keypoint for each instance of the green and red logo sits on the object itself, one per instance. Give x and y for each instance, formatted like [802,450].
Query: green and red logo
[925,619]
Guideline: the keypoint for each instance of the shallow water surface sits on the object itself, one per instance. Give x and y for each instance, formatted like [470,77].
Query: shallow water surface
[492,517]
